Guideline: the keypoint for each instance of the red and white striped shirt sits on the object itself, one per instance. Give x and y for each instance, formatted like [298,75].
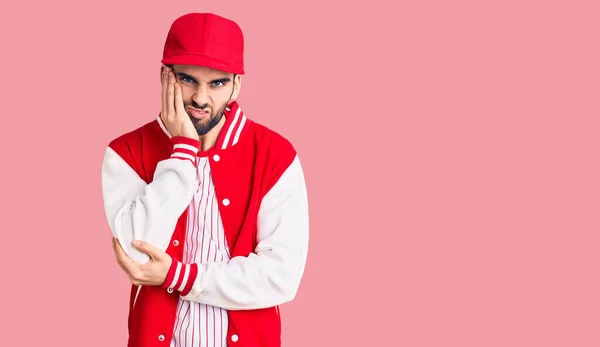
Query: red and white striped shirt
[199,324]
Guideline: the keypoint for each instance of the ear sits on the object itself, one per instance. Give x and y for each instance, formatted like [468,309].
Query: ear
[237,85]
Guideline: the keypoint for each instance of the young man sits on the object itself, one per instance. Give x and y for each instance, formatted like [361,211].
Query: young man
[208,209]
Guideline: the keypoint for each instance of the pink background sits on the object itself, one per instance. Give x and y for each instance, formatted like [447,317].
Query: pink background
[450,149]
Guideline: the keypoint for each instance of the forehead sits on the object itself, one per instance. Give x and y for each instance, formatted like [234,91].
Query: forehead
[201,72]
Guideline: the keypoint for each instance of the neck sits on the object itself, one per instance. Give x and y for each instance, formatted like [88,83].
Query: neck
[208,140]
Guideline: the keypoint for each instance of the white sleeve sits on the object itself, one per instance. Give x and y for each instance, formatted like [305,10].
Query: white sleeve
[148,212]
[272,275]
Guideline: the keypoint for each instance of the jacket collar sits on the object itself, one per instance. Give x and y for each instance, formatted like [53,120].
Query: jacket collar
[236,125]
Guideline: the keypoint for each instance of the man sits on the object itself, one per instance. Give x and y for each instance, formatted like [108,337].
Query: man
[208,208]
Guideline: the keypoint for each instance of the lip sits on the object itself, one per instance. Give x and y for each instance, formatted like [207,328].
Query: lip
[197,113]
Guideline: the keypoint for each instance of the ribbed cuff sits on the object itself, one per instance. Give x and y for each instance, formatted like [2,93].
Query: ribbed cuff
[185,148]
[181,277]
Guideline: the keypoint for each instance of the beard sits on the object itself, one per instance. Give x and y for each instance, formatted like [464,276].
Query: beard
[204,126]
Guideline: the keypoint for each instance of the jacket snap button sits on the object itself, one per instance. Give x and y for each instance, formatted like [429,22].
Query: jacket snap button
[216,157]
[176,243]
[234,338]
[226,202]
[161,337]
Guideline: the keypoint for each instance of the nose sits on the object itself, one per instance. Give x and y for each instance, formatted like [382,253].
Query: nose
[201,96]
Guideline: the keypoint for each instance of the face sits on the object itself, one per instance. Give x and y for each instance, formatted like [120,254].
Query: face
[206,93]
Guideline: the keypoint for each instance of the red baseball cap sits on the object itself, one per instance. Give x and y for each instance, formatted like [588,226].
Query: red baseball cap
[205,39]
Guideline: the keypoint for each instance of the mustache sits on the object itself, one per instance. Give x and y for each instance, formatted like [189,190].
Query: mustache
[196,106]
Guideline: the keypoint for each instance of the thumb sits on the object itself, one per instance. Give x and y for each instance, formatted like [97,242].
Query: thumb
[145,247]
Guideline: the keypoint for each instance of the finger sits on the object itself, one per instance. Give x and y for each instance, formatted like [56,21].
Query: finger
[171,97]
[147,248]
[118,258]
[164,81]
[179,107]
[114,246]
[122,257]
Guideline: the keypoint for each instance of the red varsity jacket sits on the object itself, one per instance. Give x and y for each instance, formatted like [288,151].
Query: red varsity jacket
[148,179]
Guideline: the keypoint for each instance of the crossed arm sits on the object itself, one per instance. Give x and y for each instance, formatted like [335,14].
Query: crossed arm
[268,277]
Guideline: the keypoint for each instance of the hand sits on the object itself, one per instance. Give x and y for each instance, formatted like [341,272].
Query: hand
[153,273]
[173,113]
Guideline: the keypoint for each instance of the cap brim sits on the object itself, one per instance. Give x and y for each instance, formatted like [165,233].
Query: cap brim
[201,60]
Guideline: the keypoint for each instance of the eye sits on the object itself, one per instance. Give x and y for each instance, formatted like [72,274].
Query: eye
[218,83]
[186,79]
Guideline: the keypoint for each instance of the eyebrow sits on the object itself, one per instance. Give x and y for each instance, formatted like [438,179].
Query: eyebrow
[222,80]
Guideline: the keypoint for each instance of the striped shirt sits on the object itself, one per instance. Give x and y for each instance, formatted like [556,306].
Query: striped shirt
[198,324]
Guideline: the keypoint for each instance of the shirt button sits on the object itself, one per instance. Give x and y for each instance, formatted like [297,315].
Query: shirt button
[234,338]
[176,243]
[170,290]
[161,337]
[216,157]
[226,202]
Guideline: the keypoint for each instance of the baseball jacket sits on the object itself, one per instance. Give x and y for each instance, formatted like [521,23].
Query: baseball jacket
[148,180]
